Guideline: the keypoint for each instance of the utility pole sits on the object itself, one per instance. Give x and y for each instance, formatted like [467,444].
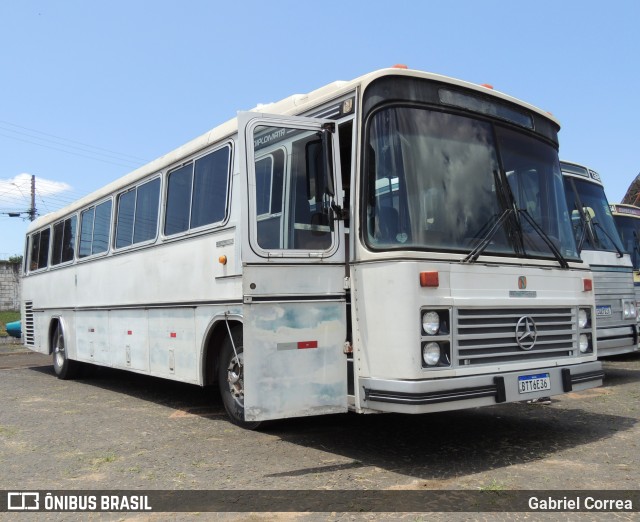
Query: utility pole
[32,210]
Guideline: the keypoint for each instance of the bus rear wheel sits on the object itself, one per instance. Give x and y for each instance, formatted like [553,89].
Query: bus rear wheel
[231,380]
[62,365]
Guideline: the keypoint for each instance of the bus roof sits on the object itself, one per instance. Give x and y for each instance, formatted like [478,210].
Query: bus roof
[625,210]
[292,105]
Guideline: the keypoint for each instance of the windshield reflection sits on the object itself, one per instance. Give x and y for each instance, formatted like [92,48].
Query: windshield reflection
[438,181]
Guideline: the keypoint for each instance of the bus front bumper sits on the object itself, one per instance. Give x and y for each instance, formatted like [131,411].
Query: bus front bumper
[456,393]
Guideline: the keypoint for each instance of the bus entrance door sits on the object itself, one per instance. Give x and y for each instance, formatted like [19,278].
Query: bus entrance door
[294,309]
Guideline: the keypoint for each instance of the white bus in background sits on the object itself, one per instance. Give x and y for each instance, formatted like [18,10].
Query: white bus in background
[599,245]
[627,218]
[354,248]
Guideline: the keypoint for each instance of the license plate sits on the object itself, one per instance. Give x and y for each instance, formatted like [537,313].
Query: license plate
[603,310]
[534,383]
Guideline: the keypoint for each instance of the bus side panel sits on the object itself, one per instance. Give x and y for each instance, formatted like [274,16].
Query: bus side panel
[92,336]
[172,352]
[294,360]
[129,339]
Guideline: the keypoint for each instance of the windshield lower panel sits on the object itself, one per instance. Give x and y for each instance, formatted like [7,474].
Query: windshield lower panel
[435,181]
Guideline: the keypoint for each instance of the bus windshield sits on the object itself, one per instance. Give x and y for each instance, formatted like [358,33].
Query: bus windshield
[591,216]
[629,229]
[440,181]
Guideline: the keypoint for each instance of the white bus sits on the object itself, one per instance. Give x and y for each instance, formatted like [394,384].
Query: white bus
[627,218]
[599,245]
[354,248]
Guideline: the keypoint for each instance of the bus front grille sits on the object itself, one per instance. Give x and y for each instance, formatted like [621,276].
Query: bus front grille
[488,336]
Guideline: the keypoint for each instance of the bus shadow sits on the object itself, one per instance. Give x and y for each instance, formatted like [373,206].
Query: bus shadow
[435,446]
[442,446]
[621,369]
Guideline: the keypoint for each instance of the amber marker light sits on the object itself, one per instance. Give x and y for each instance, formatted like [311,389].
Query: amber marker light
[399,66]
[222,260]
[429,279]
[587,285]
[487,85]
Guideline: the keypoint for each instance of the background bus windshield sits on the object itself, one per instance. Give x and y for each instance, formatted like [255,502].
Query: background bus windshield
[593,226]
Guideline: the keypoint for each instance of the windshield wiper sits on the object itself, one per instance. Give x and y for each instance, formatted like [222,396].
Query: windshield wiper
[596,224]
[484,242]
[545,238]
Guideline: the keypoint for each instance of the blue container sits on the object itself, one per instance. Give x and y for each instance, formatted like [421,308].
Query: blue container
[14,329]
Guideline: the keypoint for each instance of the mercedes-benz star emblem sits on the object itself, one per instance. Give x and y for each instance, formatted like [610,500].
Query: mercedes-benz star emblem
[526,333]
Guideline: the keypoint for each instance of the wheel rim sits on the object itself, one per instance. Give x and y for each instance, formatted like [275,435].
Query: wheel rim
[235,379]
[58,350]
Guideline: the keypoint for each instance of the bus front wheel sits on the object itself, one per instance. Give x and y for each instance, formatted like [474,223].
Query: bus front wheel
[231,379]
[62,365]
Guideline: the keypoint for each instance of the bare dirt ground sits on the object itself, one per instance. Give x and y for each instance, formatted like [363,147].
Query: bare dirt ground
[116,430]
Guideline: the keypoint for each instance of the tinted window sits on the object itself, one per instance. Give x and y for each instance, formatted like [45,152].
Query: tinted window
[58,233]
[69,239]
[101,228]
[178,200]
[147,202]
[210,188]
[126,209]
[197,193]
[64,238]
[86,232]
[138,214]
[35,249]
[43,254]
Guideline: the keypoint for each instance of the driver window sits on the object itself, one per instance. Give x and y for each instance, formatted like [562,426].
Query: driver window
[292,190]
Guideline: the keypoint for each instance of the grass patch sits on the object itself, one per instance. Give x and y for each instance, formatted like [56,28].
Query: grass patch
[8,316]
[97,462]
[494,486]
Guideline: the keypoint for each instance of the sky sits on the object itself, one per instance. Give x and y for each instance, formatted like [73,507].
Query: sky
[91,90]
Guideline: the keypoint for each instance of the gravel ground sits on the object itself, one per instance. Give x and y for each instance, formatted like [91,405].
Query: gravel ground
[116,430]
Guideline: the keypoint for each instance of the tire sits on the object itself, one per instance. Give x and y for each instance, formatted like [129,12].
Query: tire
[231,380]
[62,365]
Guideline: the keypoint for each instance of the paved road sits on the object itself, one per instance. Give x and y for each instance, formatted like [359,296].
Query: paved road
[112,429]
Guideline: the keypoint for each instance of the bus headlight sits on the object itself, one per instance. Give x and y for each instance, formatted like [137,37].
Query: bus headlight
[431,354]
[583,318]
[583,343]
[431,323]
[628,309]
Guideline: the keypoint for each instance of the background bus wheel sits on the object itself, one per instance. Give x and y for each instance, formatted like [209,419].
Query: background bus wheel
[231,380]
[64,368]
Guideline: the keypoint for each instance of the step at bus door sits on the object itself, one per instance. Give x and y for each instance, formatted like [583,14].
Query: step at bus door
[294,311]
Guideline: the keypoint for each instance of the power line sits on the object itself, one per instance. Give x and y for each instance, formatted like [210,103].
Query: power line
[131,163]
[110,152]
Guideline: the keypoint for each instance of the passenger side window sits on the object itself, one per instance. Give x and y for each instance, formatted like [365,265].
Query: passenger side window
[197,193]
[64,241]
[138,214]
[40,249]
[95,226]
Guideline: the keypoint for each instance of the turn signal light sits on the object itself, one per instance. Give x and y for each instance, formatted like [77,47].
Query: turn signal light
[587,285]
[429,279]
[222,260]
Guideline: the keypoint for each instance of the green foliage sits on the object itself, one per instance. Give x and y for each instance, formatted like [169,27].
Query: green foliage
[7,317]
